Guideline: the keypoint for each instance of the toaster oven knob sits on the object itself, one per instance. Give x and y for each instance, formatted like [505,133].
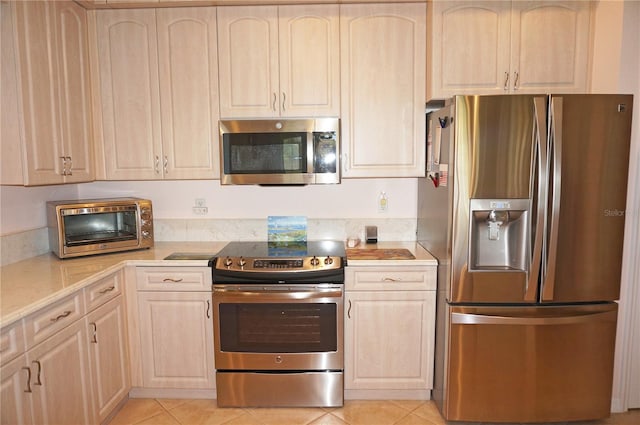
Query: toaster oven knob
[146,234]
[315,261]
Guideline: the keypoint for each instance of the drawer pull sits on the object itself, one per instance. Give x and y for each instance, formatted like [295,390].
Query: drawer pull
[390,279]
[349,310]
[208,309]
[28,369]
[62,316]
[94,336]
[105,290]
[38,381]
[168,279]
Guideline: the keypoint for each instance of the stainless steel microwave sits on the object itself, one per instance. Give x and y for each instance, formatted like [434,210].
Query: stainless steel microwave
[280,151]
[97,226]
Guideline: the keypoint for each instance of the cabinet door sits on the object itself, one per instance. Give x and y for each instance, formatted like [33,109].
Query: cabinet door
[469,48]
[309,56]
[128,74]
[176,334]
[38,78]
[248,49]
[383,123]
[108,354]
[60,378]
[15,392]
[389,340]
[70,22]
[550,46]
[188,60]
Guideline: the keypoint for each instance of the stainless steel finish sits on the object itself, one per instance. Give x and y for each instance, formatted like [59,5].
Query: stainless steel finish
[272,293]
[308,126]
[500,354]
[555,186]
[94,233]
[290,265]
[594,172]
[241,389]
[534,345]
[507,121]
[540,196]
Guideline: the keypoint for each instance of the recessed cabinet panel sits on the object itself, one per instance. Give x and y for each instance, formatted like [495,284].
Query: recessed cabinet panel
[171,357]
[188,70]
[383,125]
[507,47]
[128,57]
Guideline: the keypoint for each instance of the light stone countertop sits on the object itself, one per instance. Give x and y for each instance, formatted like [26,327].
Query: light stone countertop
[31,284]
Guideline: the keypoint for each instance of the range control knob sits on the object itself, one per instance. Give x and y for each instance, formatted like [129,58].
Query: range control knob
[242,262]
[328,260]
[228,262]
[315,261]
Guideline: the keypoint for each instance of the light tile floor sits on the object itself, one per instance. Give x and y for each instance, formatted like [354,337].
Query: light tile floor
[384,412]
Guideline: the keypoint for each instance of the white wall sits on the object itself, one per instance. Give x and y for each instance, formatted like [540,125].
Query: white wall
[349,199]
[626,389]
[24,208]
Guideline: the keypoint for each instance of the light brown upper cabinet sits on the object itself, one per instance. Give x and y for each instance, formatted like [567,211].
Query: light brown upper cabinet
[383,84]
[279,61]
[498,47]
[46,126]
[157,110]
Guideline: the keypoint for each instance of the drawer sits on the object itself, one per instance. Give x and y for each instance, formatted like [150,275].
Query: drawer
[49,320]
[173,278]
[11,342]
[390,278]
[102,291]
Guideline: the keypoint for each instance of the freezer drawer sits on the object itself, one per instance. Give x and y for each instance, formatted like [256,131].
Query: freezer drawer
[530,364]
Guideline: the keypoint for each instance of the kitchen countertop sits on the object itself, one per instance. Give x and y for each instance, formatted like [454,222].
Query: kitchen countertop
[31,284]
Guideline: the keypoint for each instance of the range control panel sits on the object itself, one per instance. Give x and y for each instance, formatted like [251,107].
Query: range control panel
[265,265]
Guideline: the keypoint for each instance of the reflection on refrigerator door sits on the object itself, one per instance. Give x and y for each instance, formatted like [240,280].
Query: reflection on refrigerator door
[497,355]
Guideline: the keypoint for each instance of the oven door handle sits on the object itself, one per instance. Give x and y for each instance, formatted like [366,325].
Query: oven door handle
[269,294]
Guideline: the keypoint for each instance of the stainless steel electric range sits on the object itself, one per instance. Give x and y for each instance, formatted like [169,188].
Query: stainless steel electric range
[278,323]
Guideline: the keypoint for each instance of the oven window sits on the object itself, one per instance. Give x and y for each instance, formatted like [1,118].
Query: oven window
[269,153]
[85,229]
[278,327]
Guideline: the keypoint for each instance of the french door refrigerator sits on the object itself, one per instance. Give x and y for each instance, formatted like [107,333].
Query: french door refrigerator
[524,209]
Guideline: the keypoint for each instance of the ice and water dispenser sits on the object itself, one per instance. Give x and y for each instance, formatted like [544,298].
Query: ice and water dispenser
[499,235]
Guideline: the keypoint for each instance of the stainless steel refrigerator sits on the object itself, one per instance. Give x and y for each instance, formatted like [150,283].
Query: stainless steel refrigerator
[524,208]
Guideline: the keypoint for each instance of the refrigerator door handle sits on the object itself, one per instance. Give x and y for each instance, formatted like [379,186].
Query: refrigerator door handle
[548,284]
[540,155]
[481,319]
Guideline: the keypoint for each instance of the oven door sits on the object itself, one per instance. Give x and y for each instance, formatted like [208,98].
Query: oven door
[278,327]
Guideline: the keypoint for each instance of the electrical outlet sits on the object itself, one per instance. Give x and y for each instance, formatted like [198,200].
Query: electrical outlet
[200,210]
[200,202]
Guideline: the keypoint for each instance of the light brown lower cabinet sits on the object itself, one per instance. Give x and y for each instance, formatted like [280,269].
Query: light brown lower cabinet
[109,356]
[60,378]
[176,334]
[14,399]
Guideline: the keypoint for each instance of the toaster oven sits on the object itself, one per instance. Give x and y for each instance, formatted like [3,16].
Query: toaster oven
[96,226]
